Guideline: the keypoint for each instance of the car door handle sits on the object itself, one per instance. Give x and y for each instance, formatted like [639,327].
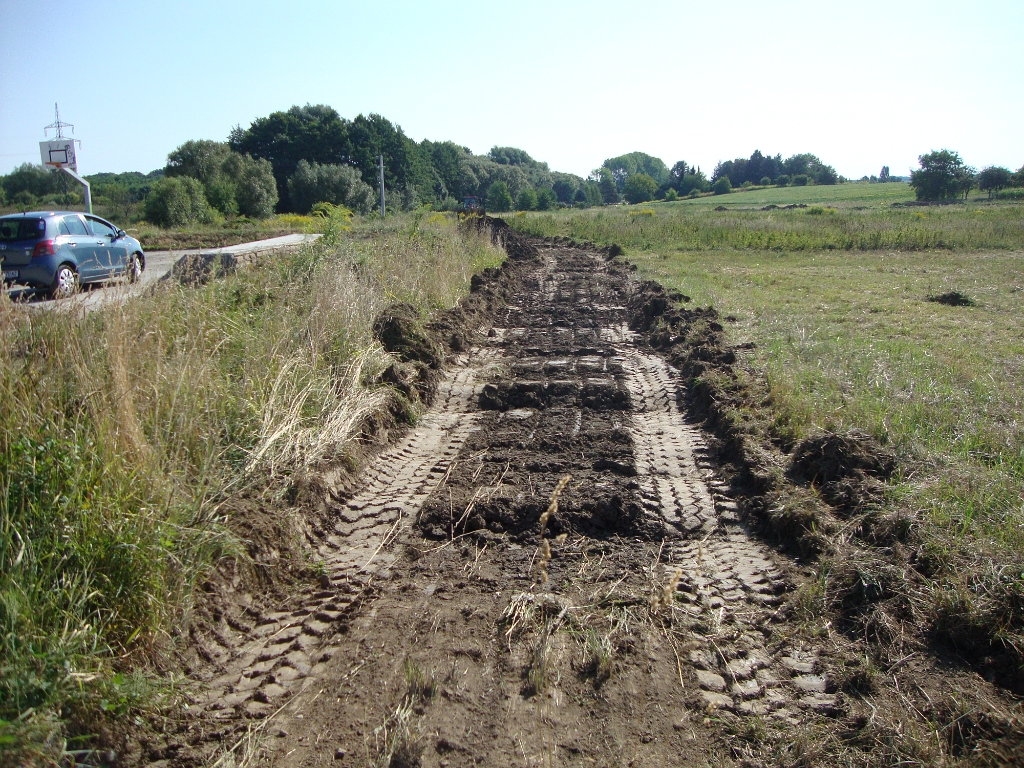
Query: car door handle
[72,245]
[100,242]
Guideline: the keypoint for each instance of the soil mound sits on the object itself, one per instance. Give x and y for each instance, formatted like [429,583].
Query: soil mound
[953,299]
[399,329]
[848,469]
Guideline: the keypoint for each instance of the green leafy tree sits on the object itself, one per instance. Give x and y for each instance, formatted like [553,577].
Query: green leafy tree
[527,200]
[565,190]
[315,133]
[1017,180]
[883,176]
[993,179]
[580,199]
[605,179]
[765,181]
[201,159]
[639,188]
[255,188]
[178,201]
[722,186]
[942,176]
[499,199]
[624,166]
[546,199]
[36,180]
[671,195]
[337,184]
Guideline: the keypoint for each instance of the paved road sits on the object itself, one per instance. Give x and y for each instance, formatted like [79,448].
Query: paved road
[158,264]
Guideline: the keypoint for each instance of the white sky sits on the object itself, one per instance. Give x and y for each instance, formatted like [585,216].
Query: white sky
[860,84]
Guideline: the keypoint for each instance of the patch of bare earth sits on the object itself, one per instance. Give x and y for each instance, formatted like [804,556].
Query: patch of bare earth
[461,617]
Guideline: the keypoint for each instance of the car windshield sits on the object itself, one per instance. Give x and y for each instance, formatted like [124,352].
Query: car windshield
[21,228]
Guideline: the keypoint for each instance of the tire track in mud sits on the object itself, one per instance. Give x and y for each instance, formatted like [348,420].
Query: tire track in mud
[282,651]
[445,527]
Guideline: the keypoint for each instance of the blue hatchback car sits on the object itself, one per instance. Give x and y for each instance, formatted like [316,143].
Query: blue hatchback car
[57,251]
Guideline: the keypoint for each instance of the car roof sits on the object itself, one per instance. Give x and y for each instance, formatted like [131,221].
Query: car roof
[26,214]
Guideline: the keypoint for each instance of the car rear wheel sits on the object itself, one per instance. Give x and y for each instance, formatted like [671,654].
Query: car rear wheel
[134,270]
[65,282]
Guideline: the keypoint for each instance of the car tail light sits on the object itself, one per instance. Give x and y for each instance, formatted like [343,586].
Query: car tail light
[43,248]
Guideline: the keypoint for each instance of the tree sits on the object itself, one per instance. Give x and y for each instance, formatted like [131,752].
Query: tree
[825,174]
[782,181]
[527,200]
[498,197]
[35,180]
[564,190]
[942,176]
[546,199]
[315,133]
[800,180]
[255,189]
[201,159]
[624,166]
[993,179]
[177,202]
[580,198]
[336,184]
[883,177]
[606,184]
[765,181]
[722,186]
[639,188]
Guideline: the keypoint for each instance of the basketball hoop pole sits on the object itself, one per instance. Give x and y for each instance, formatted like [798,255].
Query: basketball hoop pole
[86,189]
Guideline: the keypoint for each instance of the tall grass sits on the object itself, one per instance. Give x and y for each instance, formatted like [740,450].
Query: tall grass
[125,433]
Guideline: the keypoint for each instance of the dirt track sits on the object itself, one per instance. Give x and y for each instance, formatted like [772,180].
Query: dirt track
[441,633]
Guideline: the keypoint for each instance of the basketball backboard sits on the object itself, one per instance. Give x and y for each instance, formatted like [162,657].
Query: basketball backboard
[59,153]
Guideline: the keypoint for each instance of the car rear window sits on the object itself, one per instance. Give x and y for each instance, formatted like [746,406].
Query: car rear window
[21,228]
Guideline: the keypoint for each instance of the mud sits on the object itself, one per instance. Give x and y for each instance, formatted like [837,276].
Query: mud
[449,620]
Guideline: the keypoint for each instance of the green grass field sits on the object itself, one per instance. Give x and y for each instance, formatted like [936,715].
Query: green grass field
[841,195]
[836,303]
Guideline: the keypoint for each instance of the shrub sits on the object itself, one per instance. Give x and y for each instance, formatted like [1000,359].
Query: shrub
[671,194]
[1011,194]
[766,182]
[782,181]
[178,201]
[639,188]
[746,185]
[820,210]
[527,200]
[722,187]
[338,184]
[695,192]
[800,180]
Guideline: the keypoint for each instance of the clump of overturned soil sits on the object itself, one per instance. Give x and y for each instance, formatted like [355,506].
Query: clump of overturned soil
[953,299]
[847,469]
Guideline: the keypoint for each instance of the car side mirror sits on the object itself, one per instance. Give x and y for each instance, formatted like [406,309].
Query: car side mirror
[121,233]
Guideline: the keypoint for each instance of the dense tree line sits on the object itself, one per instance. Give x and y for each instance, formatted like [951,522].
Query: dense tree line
[290,160]
[763,170]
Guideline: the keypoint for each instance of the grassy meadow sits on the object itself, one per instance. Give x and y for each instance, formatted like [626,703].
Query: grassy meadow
[835,297]
[127,435]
